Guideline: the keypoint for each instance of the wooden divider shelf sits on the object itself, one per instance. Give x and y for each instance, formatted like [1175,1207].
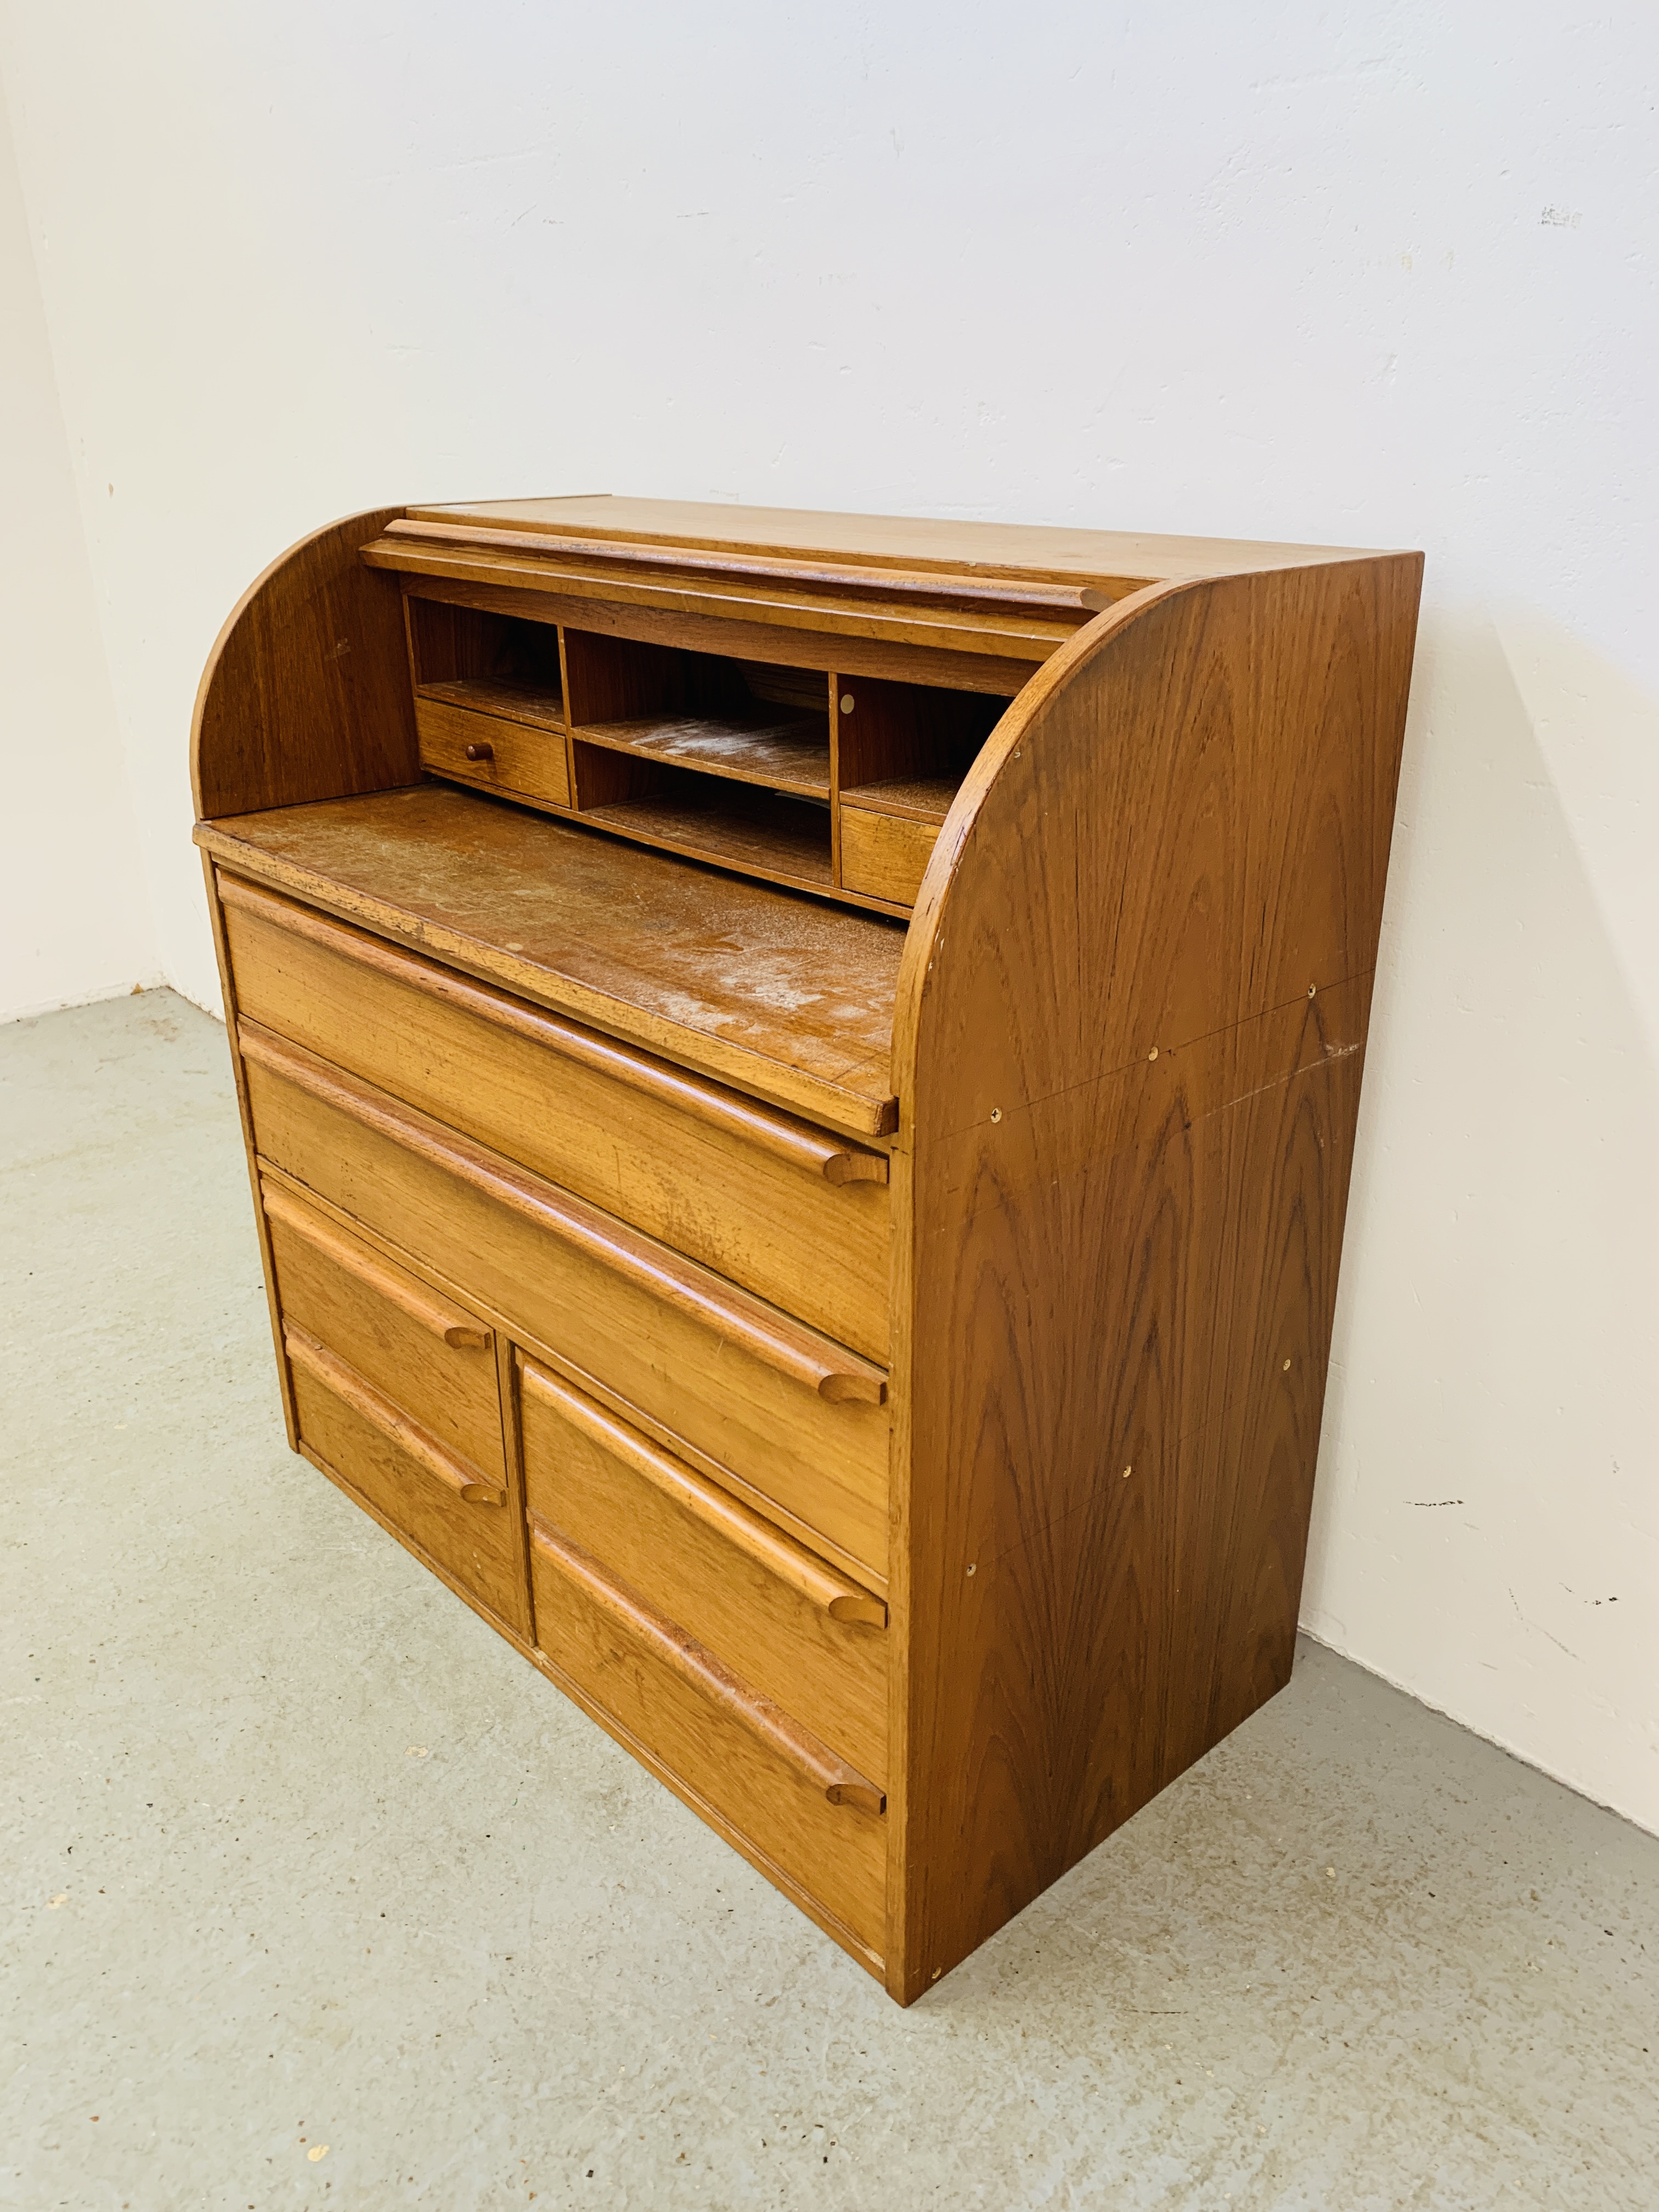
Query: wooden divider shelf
[913,798]
[735,825]
[515,701]
[867,1348]
[783,754]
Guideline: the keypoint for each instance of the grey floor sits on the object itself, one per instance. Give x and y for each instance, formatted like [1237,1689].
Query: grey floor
[315,1894]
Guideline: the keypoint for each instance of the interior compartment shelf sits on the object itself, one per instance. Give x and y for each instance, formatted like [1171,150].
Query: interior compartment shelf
[784,754]
[914,798]
[509,696]
[736,825]
[485,663]
[829,783]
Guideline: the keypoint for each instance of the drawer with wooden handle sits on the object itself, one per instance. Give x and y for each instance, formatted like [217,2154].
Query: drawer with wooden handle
[800,1808]
[791,1213]
[424,1350]
[802,1633]
[799,1422]
[458,1515]
[491,750]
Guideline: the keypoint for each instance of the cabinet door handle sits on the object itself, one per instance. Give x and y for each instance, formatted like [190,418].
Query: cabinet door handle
[356,1391]
[457,1330]
[841,1785]
[765,1333]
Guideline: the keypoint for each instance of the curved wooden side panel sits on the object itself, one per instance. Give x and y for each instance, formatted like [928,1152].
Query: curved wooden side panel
[1130,1029]
[305,694]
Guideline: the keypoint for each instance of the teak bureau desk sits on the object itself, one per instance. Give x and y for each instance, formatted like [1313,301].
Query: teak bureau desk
[799,1073]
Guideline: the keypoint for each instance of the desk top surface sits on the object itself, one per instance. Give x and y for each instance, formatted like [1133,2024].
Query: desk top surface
[783,994]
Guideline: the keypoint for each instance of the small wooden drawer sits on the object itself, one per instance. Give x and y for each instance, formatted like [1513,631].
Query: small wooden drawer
[884,856]
[793,1213]
[802,1811]
[490,751]
[797,1422]
[425,1353]
[801,1632]
[446,1508]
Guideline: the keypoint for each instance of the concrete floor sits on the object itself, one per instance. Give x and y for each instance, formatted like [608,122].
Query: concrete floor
[297,1854]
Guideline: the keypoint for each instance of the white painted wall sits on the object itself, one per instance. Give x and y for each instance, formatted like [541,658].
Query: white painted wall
[75,918]
[1378,275]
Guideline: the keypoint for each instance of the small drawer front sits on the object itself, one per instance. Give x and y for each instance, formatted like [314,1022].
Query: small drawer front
[796,1215]
[435,1500]
[884,856]
[798,1420]
[490,751]
[804,1635]
[427,1353]
[798,1808]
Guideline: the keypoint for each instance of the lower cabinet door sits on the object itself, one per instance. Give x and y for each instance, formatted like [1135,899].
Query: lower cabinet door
[397,1391]
[807,1814]
[422,1349]
[800,1631]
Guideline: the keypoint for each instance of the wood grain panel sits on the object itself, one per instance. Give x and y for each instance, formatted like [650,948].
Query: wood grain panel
[737,1585]
[1109,1210]
[1119,1216]
[795,1215]
[305,694]
[1228,849]
[1135,1617]
[623,1657]
[825,1462]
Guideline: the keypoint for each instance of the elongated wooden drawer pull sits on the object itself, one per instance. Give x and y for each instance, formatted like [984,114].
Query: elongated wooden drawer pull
[837,1160]
[820,1583]
[422,1305]
[786,1345]
[477,751]
[841,1785]
[361,1395]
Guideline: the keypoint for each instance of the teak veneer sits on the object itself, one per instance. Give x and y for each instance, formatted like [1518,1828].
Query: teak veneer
[799,1074]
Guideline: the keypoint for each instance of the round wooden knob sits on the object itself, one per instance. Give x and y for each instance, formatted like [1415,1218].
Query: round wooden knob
[481,752]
